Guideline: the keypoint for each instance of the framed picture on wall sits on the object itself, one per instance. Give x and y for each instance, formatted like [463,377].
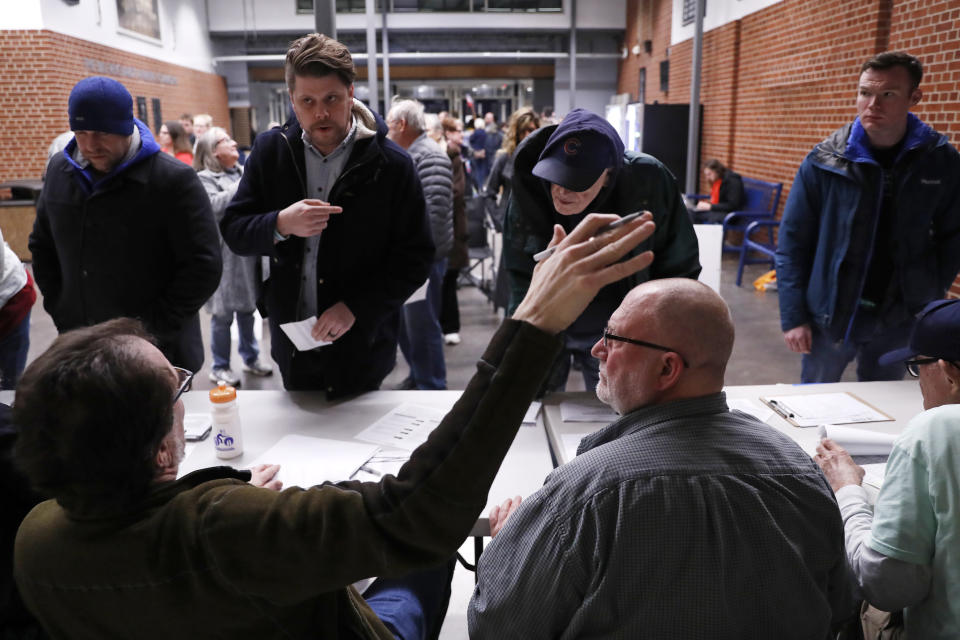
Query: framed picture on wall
[139,17]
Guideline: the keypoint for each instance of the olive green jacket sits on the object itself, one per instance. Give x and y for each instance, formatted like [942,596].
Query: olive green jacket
[210,556]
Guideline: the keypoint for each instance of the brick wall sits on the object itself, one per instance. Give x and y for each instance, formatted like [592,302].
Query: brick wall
[778,81]
[37,71]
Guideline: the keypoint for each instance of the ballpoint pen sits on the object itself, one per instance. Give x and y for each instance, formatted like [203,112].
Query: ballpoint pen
[546,253]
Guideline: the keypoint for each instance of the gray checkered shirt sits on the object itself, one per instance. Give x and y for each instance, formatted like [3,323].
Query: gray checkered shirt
[683,520]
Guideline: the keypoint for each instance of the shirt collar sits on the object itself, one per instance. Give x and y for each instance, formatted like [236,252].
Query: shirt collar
[655,414]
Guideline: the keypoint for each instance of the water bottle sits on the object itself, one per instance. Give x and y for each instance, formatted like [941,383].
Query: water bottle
[225,414]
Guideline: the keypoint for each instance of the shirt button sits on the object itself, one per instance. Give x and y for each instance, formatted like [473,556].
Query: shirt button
[319,280]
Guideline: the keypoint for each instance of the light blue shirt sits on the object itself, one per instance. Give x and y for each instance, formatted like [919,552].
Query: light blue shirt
[916,516]
[322,173]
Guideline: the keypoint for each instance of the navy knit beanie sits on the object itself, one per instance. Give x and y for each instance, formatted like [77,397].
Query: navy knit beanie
[101,104]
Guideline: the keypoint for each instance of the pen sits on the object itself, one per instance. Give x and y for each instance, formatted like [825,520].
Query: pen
[781,409]
[630,217]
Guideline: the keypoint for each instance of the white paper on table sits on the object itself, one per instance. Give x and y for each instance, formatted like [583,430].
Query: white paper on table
[532,411]
[571,442]
[813,409]
[195,425]
[419,294]
[405,427]
[874,474]
[299,334]
[759,411]
[305,461]
[859,442]
[580,412]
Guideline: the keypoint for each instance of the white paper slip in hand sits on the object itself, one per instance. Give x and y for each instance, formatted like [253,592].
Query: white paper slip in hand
[299,334]
[859,442]
[419,294]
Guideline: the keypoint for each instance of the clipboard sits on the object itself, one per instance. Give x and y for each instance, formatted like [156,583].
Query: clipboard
[813,409]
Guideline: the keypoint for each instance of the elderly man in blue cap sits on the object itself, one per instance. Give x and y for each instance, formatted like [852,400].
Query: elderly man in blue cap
[562,173]
[122,229]
[905,551]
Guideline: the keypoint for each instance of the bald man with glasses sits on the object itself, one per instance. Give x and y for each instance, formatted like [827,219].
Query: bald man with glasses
[681,519]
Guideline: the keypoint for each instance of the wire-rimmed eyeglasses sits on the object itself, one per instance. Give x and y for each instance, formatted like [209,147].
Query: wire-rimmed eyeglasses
[184,378]
[607,336]
[913,364]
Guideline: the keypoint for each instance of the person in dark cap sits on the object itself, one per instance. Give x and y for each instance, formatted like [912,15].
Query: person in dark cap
[562,173]
[122,229]
[903,550]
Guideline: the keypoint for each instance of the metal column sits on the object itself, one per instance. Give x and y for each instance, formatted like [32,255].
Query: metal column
[693,129]
[384,34]
[371,11]
[325,17]
[573,55]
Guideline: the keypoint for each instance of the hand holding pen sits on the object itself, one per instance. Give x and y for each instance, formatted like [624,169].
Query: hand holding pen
[546,253]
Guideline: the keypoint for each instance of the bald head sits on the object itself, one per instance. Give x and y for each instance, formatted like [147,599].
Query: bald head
[691,315]
[691,331]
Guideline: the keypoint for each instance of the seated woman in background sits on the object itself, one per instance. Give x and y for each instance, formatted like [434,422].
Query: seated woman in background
[174,140]
[216,164]
[726,194]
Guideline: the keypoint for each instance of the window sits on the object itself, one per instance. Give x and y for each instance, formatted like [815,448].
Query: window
[157,115]
[642,86]
[142,109]
[665,76]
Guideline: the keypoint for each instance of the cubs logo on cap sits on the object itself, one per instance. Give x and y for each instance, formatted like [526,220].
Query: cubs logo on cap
[572,146]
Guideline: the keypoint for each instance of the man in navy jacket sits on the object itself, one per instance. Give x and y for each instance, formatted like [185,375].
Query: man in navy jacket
[871,230]
[123,229]
[339,210]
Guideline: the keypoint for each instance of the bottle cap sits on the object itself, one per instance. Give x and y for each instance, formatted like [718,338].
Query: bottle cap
[223,393]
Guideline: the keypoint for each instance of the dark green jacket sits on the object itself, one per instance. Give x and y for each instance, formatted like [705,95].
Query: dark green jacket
[210,556]
[641,183]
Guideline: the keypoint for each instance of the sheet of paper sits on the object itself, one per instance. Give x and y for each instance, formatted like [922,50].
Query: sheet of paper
[813,409]
[196,424]
[299,334]
[859,442]
[586,412]
[532,412]
[419,294]
[874,474]
[757,409]
[305,461]
[405,427]
[571,441]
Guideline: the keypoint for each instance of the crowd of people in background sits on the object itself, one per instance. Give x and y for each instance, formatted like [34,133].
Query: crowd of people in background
[358,223]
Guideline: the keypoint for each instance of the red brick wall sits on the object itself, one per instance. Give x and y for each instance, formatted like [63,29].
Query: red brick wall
[37,71]
[778,81]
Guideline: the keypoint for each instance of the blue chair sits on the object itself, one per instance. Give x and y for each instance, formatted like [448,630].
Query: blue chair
[752,244]
[762,199]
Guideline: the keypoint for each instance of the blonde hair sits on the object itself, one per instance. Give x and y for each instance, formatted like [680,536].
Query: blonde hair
[519,121]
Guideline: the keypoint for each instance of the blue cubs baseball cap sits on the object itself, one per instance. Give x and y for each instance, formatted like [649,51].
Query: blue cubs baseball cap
[579,150]
[935,333]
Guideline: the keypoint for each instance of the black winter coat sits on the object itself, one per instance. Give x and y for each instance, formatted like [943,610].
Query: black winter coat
[141,244]
[371,257]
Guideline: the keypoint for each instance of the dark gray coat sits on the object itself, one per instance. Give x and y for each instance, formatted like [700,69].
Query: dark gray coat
[436,178]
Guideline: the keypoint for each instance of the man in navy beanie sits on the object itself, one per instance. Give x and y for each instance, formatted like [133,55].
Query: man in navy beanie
[122,229]
[562,173]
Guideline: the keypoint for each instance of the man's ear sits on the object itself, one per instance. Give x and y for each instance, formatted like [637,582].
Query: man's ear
[916,96]
[164,456]
[671,368]
[951,373]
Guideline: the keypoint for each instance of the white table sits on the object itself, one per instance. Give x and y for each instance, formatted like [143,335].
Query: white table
[267,416]
[900,400]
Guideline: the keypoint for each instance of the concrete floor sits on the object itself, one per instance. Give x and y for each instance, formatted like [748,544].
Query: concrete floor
[759,357]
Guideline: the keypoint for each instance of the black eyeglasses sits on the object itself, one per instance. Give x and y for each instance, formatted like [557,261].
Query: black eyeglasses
[916,362]
[184,378]
[607,336]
